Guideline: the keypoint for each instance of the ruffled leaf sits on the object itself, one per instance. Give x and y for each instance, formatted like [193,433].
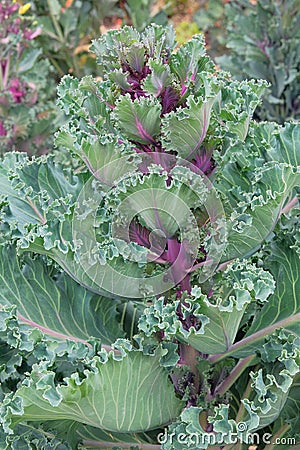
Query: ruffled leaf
[140,120]
[107,395]
[185,130]
[210,325]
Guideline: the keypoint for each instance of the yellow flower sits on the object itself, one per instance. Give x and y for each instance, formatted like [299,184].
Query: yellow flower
[23,9]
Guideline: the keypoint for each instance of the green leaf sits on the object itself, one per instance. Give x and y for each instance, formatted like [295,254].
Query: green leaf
[157,202]
[191,429]
[55,7]
[271,384]
[29,60]
[114,48]
[266,397]
[284,264]
[262,38]
[185,130]
[75,432]
[26,437]
[213,322]
[60,308]
[108,159]
[190,59]
[291,411]
[159,78]
[256,202]
[283,308]
[108,396]
[139,119]
[278,143]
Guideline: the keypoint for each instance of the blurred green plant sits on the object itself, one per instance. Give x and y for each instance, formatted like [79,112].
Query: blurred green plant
[142,13]
[210,20]
[68,27]
[27,111]
[172,6]
[263,38]
[185,31]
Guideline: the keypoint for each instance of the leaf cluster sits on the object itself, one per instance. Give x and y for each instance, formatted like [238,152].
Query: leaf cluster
[157,285]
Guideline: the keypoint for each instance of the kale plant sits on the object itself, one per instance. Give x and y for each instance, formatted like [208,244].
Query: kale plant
[27,109]
[263,38]
[150,298]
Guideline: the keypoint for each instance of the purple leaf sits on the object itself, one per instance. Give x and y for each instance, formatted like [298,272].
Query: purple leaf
[203,161]
[139,234]
[181,258]
[143,133]
[169,99]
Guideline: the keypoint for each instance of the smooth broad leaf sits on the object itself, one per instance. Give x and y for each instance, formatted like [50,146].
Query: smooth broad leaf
[29,60]
[185,130]
[139,119]
[121,394]
[59,307]
[76,433]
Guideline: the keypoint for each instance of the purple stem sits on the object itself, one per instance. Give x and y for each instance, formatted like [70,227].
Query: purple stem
[255,338]
[143,133]
[290,205]
[6,72]
[223,387]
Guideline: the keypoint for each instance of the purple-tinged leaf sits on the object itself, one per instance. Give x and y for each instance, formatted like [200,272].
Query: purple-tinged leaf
[190,59]
[203,161]
[158,79]
[136,58]
[139,234]
[181,259]
[169,99]
[185,130]
[139,119]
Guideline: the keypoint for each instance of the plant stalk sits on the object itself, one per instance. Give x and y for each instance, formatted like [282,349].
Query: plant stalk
[56,25]
[245,395]
[290,205]
[255,337]
[223,387]
[280,433]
